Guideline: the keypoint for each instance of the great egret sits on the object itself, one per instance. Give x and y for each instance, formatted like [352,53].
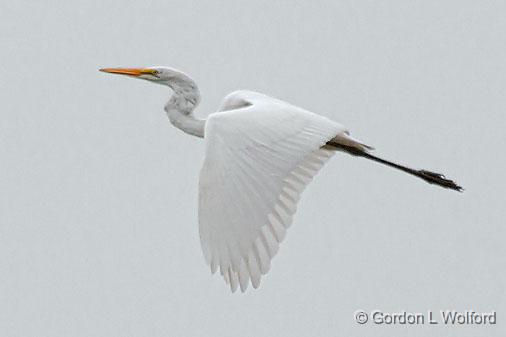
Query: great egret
[261,152]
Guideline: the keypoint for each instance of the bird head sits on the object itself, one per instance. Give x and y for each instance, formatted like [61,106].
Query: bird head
[160,75]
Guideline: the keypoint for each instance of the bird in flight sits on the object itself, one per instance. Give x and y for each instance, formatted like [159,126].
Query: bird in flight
[260,154]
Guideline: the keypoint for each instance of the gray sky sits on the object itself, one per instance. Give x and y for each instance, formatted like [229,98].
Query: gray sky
[98,202]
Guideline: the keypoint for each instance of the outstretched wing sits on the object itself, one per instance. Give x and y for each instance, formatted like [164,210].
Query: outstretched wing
[259,158]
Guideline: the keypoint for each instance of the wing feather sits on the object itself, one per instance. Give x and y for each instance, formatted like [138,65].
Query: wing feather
[259,159]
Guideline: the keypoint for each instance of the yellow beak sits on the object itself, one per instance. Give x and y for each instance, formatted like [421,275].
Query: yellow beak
[129,71]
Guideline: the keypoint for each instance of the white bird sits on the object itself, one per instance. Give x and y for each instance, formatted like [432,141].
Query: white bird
[261,153]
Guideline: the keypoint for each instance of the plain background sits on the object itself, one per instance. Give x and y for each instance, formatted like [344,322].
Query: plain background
[98,192]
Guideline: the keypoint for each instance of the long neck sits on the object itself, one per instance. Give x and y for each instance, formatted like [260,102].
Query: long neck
[181,105]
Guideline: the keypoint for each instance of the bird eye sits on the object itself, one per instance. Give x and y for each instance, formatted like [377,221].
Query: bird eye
[153,72]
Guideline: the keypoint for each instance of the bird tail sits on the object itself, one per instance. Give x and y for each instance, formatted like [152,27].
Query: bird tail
[356,148]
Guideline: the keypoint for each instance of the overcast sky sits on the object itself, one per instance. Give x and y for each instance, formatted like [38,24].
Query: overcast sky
[98,192]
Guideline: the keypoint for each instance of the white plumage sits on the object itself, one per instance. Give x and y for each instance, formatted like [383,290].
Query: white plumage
[259,158]
[260,155]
